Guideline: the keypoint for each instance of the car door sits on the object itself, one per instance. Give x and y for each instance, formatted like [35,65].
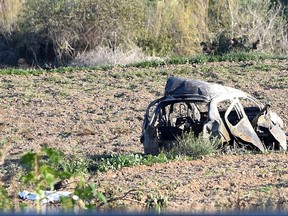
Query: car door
[240,126]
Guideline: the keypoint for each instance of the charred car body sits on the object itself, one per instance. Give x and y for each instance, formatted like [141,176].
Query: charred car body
[233,116]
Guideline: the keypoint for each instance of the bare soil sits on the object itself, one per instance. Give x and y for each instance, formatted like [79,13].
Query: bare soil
[92,113]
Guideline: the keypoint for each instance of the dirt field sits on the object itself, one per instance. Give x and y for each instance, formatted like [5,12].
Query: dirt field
[90,113]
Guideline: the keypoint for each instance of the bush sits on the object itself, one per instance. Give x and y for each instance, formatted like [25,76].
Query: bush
[55,32]
[257,19]
[190,146]
[223,44]
[175,27]
[59,30]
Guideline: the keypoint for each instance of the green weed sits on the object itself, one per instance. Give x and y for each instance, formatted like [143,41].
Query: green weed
[146,64]
[265,189]
[42,170]
[156,203]
[89,195]
[198,59]
[118,161]
[6,203]
[39,174]
[160,158]
[76,164]
[194,148]
[14,71]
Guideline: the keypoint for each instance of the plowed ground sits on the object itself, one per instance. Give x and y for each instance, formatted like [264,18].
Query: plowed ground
[91,113]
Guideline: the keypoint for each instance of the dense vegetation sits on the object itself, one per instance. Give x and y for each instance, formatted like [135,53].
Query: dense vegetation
[49,32]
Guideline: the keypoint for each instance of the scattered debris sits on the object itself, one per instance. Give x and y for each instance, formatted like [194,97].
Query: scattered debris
[235,117]
[46,196]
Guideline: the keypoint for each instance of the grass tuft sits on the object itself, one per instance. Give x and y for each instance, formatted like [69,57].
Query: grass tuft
[118,161]
[194,148]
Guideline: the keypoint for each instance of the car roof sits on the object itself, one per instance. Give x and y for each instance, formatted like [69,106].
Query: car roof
[182,87]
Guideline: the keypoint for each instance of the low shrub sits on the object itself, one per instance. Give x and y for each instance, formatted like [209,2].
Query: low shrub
[118,161]
[57,31]
[194,147]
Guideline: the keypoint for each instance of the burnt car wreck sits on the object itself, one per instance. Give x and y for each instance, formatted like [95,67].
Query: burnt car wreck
[213,110]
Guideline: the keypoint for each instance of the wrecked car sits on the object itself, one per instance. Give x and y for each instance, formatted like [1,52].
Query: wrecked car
[212,110]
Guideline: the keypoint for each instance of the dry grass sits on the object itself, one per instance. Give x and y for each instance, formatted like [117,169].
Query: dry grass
[9,12]
[107,56]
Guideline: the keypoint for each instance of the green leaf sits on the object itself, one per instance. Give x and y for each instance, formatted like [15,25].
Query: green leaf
[54,155]
[101,197]
[28,178]
[28,160]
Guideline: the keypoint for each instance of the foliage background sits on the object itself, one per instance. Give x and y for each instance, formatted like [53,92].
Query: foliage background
[56,32]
